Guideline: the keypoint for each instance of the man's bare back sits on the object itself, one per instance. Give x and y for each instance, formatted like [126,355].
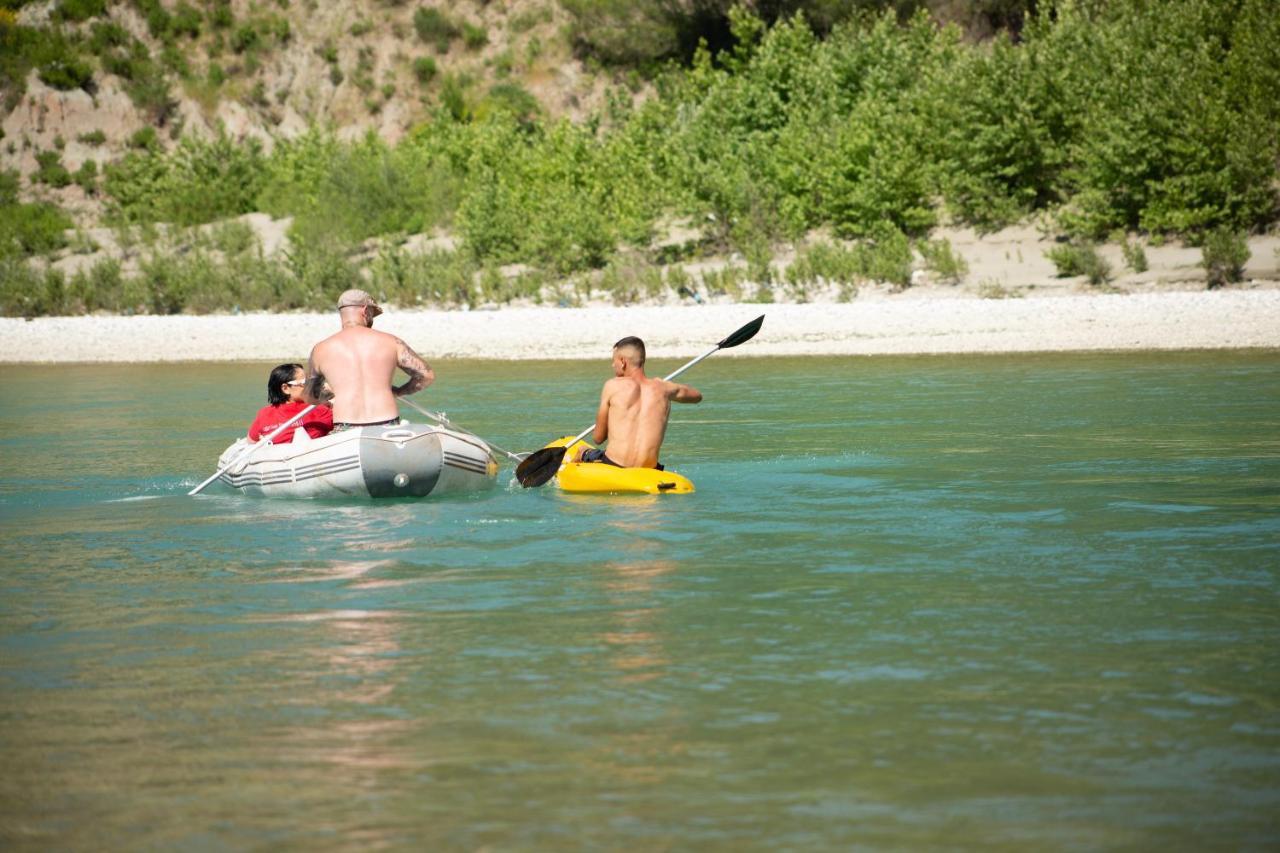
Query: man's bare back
[634,408]
[359,363]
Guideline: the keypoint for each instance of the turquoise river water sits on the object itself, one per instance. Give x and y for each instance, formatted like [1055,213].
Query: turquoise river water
[1015,603]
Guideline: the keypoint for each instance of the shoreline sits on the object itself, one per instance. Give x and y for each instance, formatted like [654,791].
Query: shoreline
[914,323]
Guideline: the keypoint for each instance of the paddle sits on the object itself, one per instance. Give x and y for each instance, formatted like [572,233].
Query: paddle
[541,465]
[250,450]
[439,418]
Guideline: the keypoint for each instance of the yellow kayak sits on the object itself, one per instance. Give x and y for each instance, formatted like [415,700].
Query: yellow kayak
[600,478]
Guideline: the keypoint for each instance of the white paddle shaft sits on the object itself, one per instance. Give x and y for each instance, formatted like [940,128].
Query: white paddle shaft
[249,451]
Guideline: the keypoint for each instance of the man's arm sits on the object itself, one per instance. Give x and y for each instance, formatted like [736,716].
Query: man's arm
[683,393]
[420,373]
[602,414]
[315,391]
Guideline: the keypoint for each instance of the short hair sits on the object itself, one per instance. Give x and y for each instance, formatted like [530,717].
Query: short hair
[280,375]
[633,343]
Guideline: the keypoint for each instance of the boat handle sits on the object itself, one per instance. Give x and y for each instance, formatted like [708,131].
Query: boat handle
[398,433]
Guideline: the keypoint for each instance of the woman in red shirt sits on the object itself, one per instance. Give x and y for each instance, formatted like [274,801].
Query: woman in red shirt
[284,400]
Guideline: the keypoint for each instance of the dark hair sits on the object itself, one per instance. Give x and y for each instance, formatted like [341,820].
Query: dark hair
[279,376]
[634,343]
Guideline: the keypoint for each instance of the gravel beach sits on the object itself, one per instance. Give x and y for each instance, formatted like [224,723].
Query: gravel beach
[900,325]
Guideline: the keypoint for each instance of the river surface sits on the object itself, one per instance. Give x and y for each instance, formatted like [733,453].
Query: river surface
[1014,602]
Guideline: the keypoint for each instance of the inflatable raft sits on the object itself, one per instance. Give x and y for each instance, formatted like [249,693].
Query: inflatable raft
[600,478]
[410,460]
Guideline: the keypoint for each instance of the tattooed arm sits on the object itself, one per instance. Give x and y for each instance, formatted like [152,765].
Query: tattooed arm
[420,373]
[317,390]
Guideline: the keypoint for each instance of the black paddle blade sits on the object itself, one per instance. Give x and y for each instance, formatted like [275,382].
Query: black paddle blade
[743,335]
[540,466]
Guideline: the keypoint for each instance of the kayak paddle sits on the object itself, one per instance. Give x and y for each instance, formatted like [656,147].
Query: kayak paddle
[439,418]
[541,465]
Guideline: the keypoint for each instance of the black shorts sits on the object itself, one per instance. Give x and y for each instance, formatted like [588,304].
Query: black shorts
[339,426]
[595,454]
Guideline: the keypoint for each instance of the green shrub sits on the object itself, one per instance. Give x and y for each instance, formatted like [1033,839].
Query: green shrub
[187,21]
[221,17]
[50,170]
[99,288]
[435,278]
[93,137]
[198,181]
[105,35]
[474,37]
[1072,259]
[887,258]
[24,293]
[424,68]
[244,38]
[513,99]
[629,278]
[158,18]
[942,260]
[1223,256]
[1134,255]
[79,10]
[435,28]
[823,264]
[87,177]
[233,237]
[31,229]
[215,75]
[361,27]
[67,72]
[145,139]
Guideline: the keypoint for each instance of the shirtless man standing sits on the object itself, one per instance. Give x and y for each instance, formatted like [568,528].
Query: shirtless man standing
[358,364]
[634,410]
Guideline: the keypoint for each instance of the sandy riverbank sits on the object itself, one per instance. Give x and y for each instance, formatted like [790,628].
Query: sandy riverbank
[891,325]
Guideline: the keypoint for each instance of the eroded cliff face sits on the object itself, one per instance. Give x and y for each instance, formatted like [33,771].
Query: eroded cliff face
[272,68]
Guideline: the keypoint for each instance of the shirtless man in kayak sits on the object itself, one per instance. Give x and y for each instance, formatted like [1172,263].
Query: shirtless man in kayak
[634,410]
[358,364]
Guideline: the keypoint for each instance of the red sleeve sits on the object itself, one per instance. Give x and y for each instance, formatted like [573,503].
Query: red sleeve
[319,422]
[255,429]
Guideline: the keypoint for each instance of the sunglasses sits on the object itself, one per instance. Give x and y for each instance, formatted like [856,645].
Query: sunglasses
[297,382]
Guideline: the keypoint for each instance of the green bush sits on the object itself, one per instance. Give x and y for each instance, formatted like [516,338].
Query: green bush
[942,260]
[67,72]
[199,181]
[435,28]
[145,139]
[245,38]
[50,170]
[513,99]
[474,37]
[221,17]
[105,35]
[79,10]
[1223,256]
[437,278]
[424,68]
[187,21]
[1134,255]
[887,258]
[93,137]
[87,177]
[31,229]
[1072,259]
